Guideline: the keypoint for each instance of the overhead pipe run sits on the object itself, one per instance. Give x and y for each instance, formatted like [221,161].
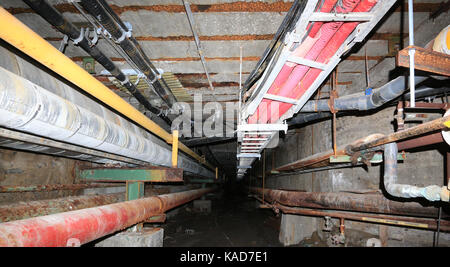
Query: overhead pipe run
[20,36]
[101,11]
[431,193]
[27,107]
[55,18]
[82,226]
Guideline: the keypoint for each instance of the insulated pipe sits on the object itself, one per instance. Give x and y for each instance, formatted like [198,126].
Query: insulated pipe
[112,23]
[29,108]
[373,203]
[82,226]
[55,18]
[431,193]
[359,101]
[20,36]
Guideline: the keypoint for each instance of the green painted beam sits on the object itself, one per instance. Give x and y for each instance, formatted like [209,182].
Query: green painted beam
[132,175]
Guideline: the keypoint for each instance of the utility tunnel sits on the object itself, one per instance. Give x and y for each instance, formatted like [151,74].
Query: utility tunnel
[300,123]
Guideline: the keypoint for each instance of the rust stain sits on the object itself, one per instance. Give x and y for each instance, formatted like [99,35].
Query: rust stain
[215,84]
[275,7]
[246,37]
[184,59]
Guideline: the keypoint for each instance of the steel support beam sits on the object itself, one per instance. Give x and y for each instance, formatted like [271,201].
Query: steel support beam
[426,60]
[132,175]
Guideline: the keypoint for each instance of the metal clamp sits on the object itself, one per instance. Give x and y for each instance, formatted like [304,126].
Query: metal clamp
[80,38]
[64,42]
[94,39]
[125,81]
[139,76]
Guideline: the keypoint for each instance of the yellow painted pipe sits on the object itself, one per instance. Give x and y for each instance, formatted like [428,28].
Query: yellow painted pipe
[26,40]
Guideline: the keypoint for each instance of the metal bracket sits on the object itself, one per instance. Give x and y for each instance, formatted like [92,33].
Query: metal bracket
[354,16]
[79,38]
[64,43]
[307,62]
[262,127]
[248,155]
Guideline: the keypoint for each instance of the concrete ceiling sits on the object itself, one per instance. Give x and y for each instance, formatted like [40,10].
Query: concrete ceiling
[162,29]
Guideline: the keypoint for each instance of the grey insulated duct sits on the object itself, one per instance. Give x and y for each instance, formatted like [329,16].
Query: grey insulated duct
[100,10]
[379,97]
[359,101]
[27,107]
[431,193]
[54,17]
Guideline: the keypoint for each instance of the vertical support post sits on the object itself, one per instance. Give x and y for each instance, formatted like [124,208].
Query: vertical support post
[135,190]
[217,173]
[411,53]
[175,148]
[384,235]
[333,96]
[447,166]
[264,174]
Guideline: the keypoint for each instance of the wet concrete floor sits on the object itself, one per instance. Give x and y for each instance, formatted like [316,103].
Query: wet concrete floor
[234,221]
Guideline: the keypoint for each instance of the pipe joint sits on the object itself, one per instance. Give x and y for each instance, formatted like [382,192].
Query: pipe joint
[431,193]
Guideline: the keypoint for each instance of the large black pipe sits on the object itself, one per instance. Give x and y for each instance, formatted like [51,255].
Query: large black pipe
[55,18]
[113,24]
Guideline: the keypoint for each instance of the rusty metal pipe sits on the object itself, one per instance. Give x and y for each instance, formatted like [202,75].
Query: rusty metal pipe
[24,210]
[371,203]
[82,226]
[51,187]
[374,140]
[421,223]
[431,126]
[426,140]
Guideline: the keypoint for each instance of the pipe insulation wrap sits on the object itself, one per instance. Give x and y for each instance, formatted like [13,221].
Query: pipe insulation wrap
[27,107]
[431,193]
